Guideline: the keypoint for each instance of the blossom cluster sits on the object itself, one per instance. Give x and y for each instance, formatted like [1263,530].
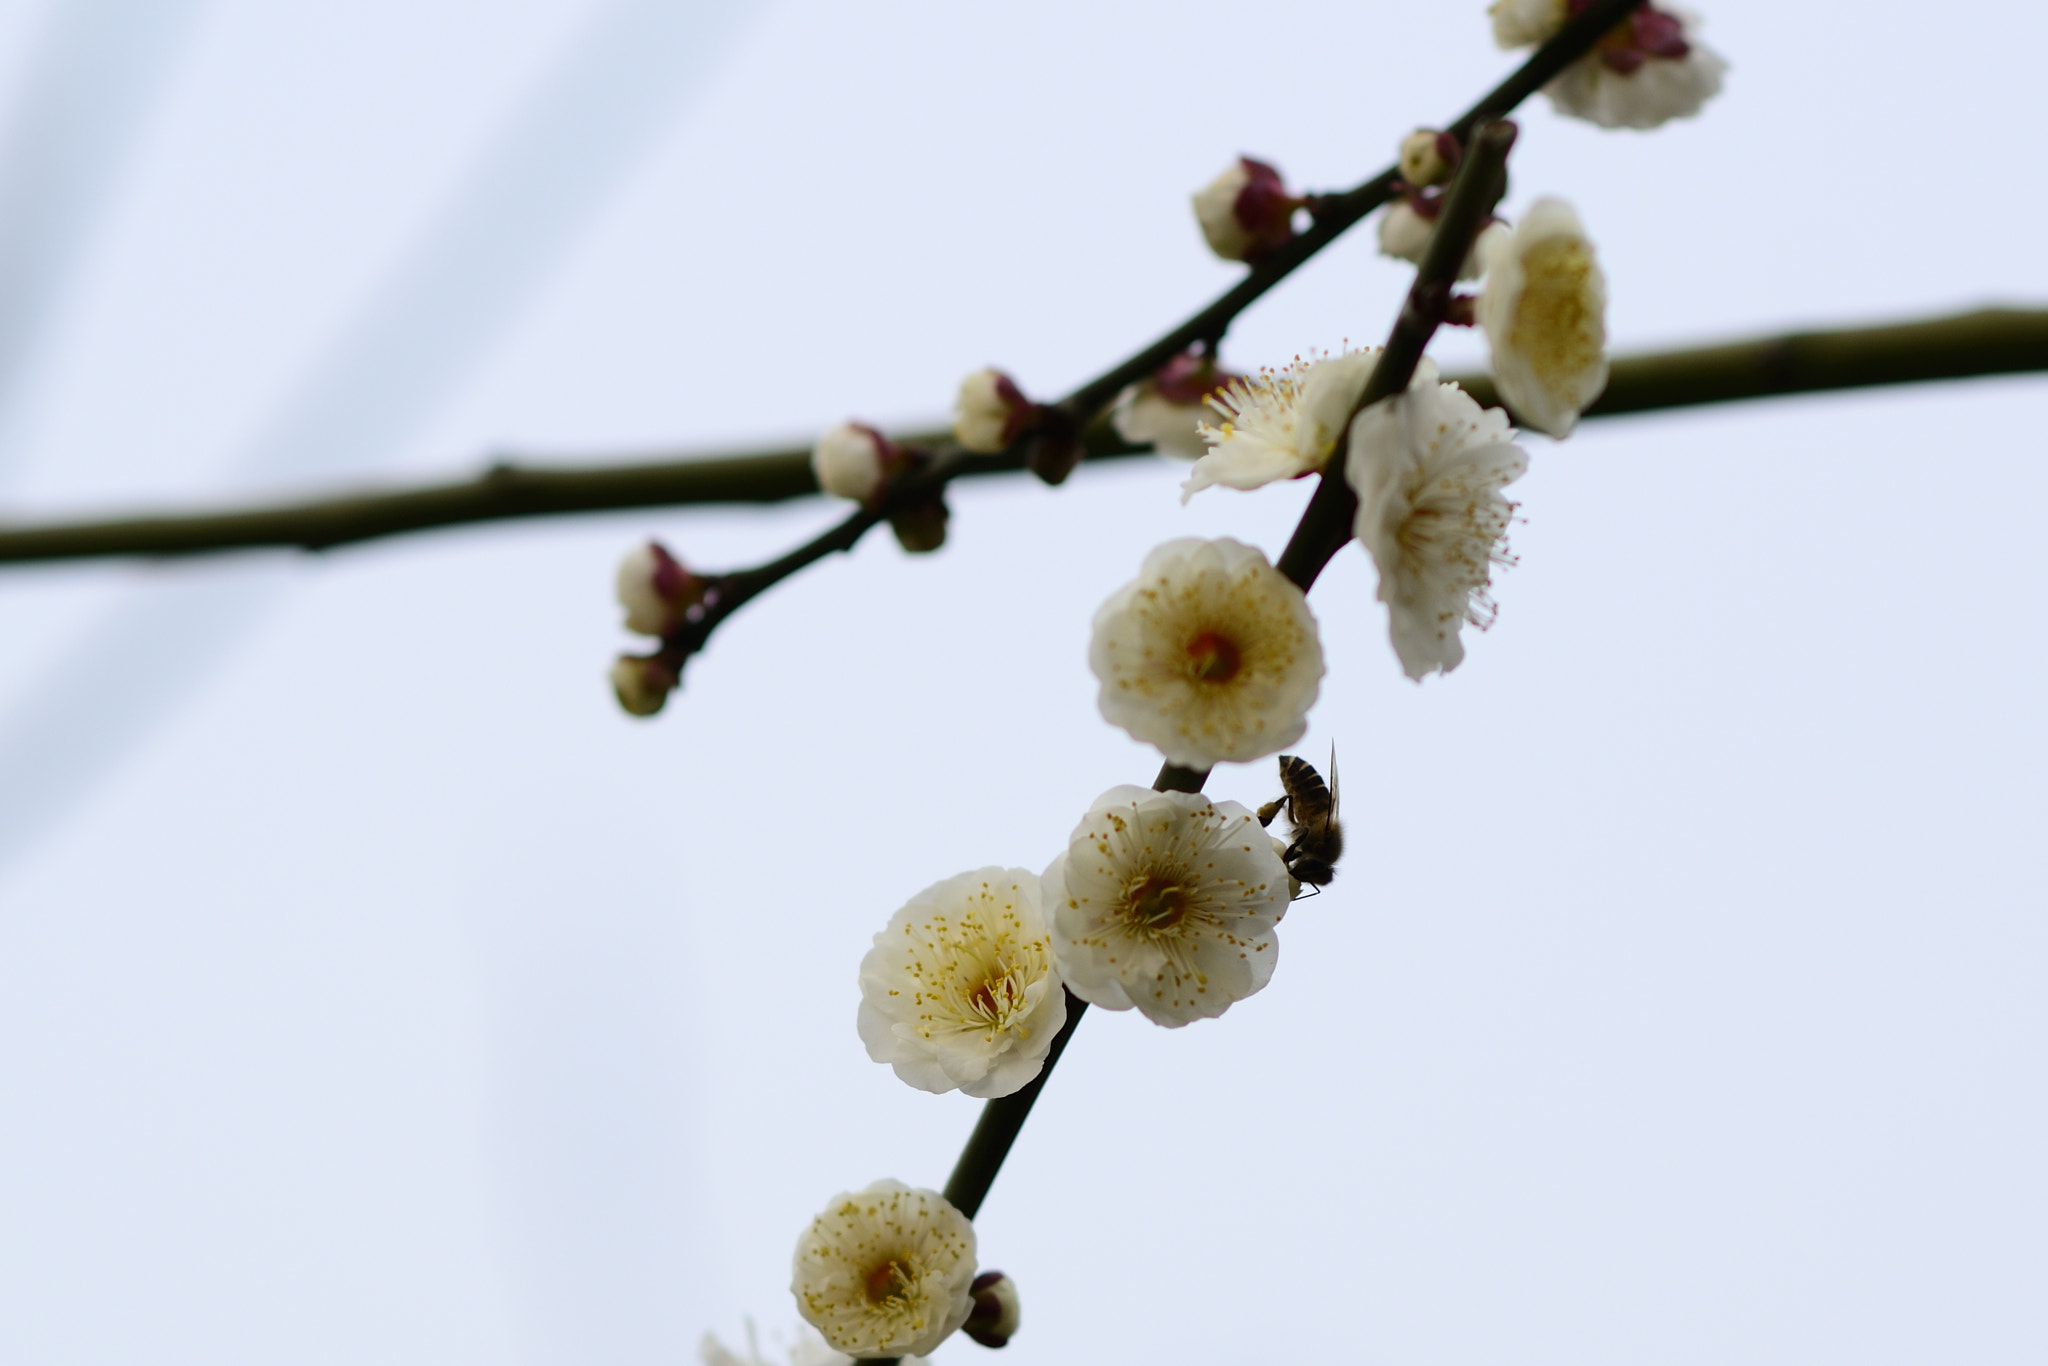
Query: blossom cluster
[1168,902]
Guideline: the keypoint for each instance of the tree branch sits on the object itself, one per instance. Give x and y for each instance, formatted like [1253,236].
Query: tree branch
[1992,341]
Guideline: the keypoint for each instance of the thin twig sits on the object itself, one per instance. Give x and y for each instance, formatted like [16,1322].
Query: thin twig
[1985,342]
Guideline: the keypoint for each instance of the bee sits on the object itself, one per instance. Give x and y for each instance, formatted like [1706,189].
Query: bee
[1311,807]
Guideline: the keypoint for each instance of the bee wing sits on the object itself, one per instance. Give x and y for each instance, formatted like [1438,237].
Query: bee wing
[1333,778]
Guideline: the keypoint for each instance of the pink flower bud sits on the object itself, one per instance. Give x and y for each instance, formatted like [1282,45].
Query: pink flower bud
[852,460]
[1246,211]
[991,412]
[643,683]
[655,589]
[994,1319]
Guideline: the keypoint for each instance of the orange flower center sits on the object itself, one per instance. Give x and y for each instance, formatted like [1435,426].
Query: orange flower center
[886,1281]
[1214,658]
[1157,904]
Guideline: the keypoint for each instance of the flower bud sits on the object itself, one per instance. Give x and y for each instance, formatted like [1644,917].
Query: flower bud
[851,461]
[994,1319]
[655,590]
[991,412]
[643,683]
[1246,211]
[1428,157]
[921,527]
[1166,411]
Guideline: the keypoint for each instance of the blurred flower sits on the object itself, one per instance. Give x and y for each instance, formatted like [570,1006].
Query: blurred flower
[1646,70]
[1166,901]
[1246,211]
[997,1311]
[1280,424]
[808,1350]
[886,1271]
[959,992]
[643,683]
[1428,157]
[1428,466]
[1525,23]
[1544,309]
[1166,410]
[1409,223]
[852,460]
[990,412]
[1211,654]
[655,589]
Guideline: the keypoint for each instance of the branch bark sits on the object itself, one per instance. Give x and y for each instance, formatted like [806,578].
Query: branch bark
[1991,341]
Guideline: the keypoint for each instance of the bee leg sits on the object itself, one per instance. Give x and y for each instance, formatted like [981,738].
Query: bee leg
[1270,810]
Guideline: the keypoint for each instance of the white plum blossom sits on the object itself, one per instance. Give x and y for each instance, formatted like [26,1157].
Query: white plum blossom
[850,461]
[1211,654]
[989,412]
[1645,71]
[1428,466]
[1655,91]
[1166,901]
[959,992]
[1544,309]
[886,1271]
[1280,424]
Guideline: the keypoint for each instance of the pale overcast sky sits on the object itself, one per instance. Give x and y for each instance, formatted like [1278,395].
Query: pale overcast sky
[371,990]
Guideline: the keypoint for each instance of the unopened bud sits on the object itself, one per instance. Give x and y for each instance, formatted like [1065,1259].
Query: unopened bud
[1409,223]
[993,1321]
[921,527]
[1055,446]
[851,461]
[991,412]
[643,683]
[655,589]
[1246,211]
[1166,410]
[1428,157]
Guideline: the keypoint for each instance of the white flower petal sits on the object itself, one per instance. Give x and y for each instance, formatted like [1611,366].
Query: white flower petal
[1544,310]
[1661,89]
[1280,424]
[1211,654]
[1166,901]
[1144,417]
[885,1271]
[959,991]
[1427,467]
[1524,23]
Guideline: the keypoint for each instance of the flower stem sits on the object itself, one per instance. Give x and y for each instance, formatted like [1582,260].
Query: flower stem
[1326,523]
[1984,342]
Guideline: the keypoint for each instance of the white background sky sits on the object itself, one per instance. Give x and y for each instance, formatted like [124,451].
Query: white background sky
[371,990]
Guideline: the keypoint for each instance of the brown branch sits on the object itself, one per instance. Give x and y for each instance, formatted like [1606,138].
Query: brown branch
[1471,199]
[1986,342]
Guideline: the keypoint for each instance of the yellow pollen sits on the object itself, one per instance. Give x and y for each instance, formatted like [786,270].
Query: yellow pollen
[1156,903]
[1555,325]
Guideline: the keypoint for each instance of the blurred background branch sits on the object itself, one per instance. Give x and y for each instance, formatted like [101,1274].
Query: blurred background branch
[1992,341]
